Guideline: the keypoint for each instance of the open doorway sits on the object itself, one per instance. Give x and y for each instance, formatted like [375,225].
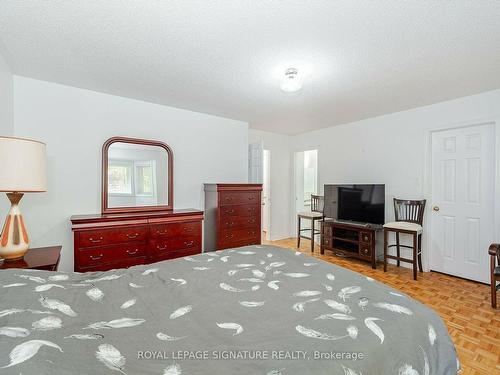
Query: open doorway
[306,182]
[266,196]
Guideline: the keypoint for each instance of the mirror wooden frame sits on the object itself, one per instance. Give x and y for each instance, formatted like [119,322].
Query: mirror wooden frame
[104,191]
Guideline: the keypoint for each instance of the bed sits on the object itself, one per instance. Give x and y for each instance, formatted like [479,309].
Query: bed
[249,310]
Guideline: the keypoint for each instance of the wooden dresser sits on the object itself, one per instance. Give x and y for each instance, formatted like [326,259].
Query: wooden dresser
[107,241]
[349,240]
[232,215]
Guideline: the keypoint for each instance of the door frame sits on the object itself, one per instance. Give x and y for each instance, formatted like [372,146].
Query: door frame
[268,208]
[427,178]
[293,202]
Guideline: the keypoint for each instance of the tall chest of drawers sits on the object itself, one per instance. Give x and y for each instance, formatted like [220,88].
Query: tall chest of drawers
[232,215]
[103,242]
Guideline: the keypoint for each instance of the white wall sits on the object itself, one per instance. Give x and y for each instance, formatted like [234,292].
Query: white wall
[6,98]
[278,145]
[390,149]
[75,123]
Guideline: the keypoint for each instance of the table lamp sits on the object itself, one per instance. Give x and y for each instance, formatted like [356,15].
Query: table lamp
[22,170]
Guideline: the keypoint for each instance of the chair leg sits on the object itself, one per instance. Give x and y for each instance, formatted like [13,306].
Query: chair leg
[415,244]
[420,268]
[398,252]
[298,232]
[493,283]
[493,294]
[313,226]
[385,250]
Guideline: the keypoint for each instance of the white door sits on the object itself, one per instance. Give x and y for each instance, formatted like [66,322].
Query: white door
[255,163]
[462,201]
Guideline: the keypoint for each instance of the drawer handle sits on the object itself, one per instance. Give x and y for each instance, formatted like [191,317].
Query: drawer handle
[229,198]
[96,257]
[230,235]
[161,247]
[132,252]
[229,223]
[132,236]
[251,198]
[95,240]
[251,232]
[188,229]
[251,221]
[229,211]
[189,244]
[161,232]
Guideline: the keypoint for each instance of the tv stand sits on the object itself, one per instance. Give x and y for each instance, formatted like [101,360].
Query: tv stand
[349,240]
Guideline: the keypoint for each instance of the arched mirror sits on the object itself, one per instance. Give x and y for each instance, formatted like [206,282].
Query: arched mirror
[137,175]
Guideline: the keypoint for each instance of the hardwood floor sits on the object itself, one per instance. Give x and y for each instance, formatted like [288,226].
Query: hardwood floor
[463,305]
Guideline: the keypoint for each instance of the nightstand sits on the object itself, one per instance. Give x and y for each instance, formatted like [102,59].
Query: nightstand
[39,258]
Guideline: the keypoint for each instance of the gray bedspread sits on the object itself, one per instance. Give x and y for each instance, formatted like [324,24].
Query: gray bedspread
[251,310]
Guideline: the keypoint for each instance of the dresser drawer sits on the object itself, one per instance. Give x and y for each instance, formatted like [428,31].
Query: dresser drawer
[244,210]
[365,251]
[365,237]
[237,197]
[176,254]
[108,254]
[175,229]
[235,242]
[239,222]
[173,244]
[102,237]
[126,263]
[132,250]
[94,257]
[236,235]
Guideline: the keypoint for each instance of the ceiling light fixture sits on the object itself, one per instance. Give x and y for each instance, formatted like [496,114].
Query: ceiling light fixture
[292,82]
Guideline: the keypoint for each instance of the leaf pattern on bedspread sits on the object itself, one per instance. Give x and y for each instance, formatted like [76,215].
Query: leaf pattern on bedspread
[47,323]
[14,331]
[28,349]
[173,369]
[181,311]
[116,323]
[55,304]
[111,357]
[235,326]
[372,326]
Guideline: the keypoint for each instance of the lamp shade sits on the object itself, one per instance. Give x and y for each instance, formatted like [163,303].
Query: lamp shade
[22,165]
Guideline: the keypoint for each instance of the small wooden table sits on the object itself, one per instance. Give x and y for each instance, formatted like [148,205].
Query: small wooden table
[40,258]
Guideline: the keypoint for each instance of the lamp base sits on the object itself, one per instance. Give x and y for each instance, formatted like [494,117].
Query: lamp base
[14,241]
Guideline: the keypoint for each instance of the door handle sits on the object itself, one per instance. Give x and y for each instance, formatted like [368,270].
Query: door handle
[435,208]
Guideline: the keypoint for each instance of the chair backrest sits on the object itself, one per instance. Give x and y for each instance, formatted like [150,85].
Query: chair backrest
[409,210]
[317,203]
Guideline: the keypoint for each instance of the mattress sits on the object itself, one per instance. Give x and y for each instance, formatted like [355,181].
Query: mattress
[249,310]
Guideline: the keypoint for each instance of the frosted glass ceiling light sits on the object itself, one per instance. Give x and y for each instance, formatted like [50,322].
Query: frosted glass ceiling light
[292,82]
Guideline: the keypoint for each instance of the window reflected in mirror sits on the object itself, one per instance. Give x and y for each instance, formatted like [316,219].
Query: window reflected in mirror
[137,175]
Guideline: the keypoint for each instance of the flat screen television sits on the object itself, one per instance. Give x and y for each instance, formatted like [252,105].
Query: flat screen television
[356,203]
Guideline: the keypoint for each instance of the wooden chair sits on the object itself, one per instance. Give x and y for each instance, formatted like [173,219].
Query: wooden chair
[316,214]
[494,252]
[409,215]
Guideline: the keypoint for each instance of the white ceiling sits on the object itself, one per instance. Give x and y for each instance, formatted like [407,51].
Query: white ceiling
[226,57]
